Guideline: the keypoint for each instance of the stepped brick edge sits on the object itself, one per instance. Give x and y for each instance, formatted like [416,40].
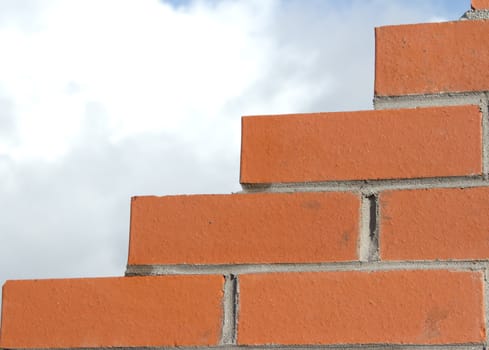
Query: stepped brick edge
[354,230]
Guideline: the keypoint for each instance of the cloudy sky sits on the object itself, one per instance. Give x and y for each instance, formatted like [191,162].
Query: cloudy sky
[101,100]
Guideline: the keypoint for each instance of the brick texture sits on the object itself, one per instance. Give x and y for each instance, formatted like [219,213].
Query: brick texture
[435,224]
[432,58]
[290,263]
[112,312]
[480,4]
[395,307]
[388,144]
[244,228]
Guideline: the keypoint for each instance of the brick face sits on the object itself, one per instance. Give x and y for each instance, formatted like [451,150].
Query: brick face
[480,4]
[432,58]
[112,312]
[435,224]
[244,228]
[388,144]
[396,307]
[314,253]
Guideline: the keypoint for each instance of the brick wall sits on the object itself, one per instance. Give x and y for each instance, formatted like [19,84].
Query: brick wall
[354,229]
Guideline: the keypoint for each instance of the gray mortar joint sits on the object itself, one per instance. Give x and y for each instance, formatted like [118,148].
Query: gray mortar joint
[230,308]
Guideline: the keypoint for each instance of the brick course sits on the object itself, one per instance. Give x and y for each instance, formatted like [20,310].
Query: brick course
[431,58]
[387,144]
[244,228]
[397,307]
[112,312]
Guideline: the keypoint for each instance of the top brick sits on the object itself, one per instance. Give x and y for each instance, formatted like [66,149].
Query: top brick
[365,145]
[480,4]
[432,57]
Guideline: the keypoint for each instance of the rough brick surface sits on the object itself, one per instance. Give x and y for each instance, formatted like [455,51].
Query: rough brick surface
[400,307]
[111,312]
[244,228]
[432,224]
[432,58]
[387,144]
[282,270]
[480,4]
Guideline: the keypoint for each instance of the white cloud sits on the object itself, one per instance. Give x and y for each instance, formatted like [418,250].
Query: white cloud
[104,99]
[151,67]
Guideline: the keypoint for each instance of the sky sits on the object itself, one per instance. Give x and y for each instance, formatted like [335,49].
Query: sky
[102,100]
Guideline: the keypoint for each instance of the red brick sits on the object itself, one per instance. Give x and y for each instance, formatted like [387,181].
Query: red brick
[432,58]
[480,4]
[112,312]
[382,144]
[244,228]
[389,307]
[435,224]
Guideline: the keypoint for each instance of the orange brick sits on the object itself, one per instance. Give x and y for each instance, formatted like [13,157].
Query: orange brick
[388,307]
[435,224]
[432,58]
[244,228]
[480,4]
[112,312]
[382,144]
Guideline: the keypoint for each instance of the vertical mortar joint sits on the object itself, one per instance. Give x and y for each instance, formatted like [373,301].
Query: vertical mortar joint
[484,106]
[373,215]
[373,227]
[230,305]
[369,227]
